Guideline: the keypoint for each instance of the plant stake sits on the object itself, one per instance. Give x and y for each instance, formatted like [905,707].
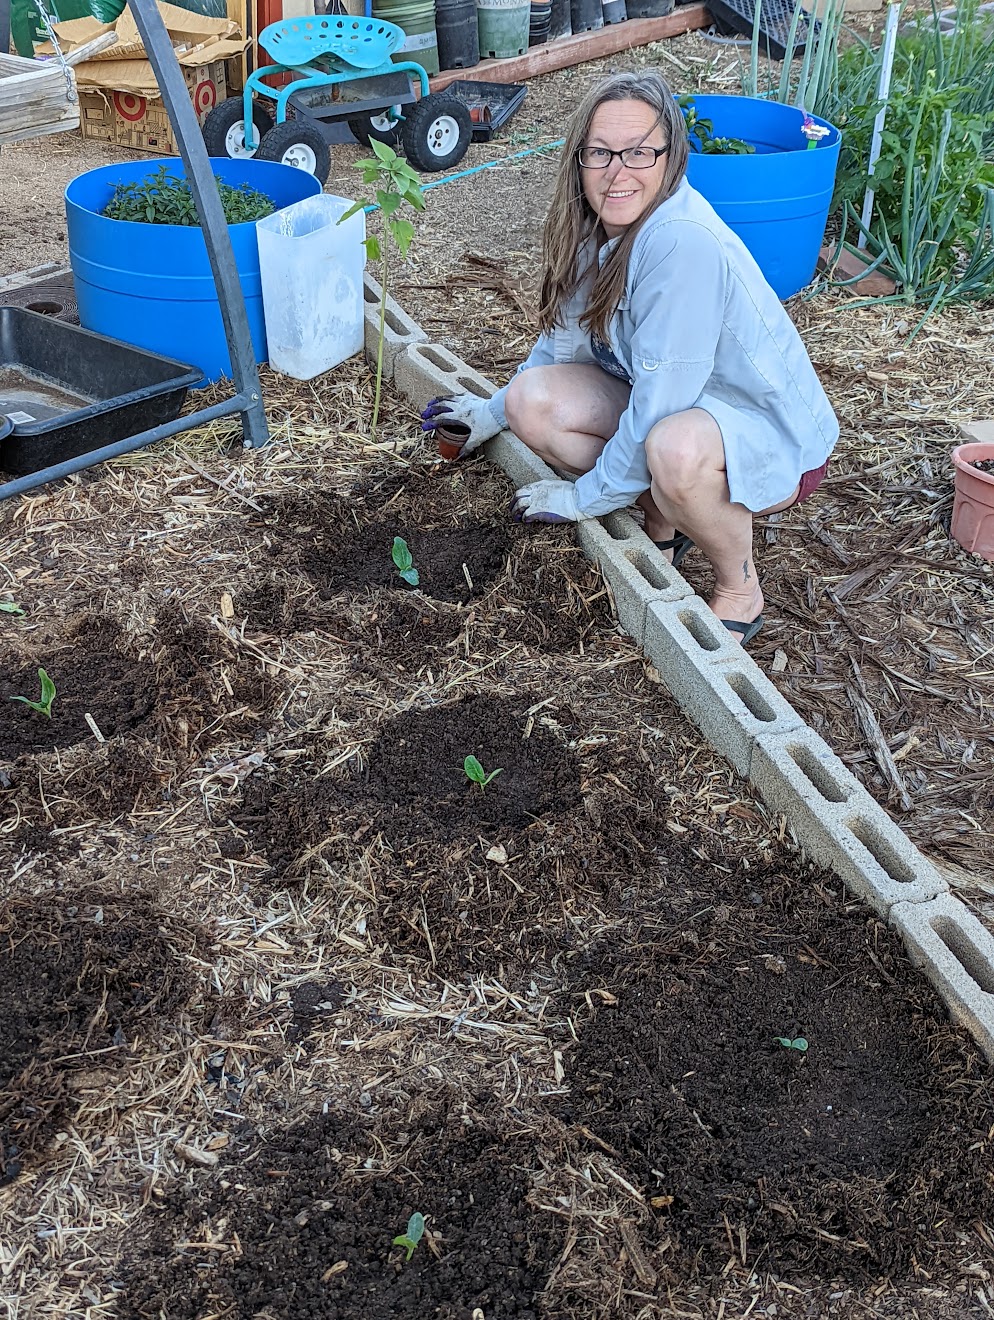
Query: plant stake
[883,92]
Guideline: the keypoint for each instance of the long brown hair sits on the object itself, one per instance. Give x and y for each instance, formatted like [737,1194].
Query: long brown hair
[572,220]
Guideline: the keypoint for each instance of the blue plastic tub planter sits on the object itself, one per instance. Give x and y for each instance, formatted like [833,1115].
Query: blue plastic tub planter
[777,200]
[151,285]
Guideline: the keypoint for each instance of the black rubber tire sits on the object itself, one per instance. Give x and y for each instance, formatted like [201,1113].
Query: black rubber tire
[363,131]
[420,136]
[223,118]
[297,133]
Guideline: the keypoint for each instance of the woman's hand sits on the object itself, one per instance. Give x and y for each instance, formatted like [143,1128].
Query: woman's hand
[468,409]
[546,501]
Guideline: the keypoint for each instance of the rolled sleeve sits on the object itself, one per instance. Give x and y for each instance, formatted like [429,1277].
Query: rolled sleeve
[677,307]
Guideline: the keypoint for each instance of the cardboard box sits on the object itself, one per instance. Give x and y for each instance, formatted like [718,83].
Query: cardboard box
[129,120]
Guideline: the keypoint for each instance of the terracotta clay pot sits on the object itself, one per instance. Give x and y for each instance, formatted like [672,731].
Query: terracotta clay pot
[450,438]
[973,504]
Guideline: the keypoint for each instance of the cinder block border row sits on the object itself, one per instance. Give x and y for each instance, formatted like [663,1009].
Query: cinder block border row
[743,715]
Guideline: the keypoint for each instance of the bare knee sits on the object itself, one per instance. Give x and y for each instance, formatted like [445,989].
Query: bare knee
[682,453]
[529,404]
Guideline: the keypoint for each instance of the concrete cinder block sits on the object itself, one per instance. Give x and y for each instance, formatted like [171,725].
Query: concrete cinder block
[713,680]
[517,460]
[399,329]
[838,824]
[956,953]
[635,570]
[422,372]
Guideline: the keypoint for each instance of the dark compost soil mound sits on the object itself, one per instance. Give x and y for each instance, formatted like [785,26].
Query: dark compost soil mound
[315,1240]
[863,1155]
[92,676]
[76,980]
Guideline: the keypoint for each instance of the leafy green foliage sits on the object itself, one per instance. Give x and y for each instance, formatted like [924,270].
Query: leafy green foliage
[410,1239]
[162,199]
[476,773]
[403,562]
[701,134]
[798,1043]
[44,706]
[10,607]
[396,186]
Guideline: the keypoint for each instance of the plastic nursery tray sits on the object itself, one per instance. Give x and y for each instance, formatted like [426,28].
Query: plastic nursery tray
[69,391]
[502,98]
[775,19]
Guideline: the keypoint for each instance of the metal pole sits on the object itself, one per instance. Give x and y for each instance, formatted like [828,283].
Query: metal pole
[883,92]
[4,27]
[176,98]
[120,447]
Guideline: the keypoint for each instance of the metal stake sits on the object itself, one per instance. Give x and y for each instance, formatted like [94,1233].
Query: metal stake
[4,27]
[176,98]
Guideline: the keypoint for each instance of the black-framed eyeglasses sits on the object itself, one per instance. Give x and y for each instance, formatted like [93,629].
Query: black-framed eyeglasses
[633,158]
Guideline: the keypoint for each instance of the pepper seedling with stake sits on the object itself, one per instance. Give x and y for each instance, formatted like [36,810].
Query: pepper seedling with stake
[410,1239]
[798,1043]
[476,773]
[404,562]
[44,706]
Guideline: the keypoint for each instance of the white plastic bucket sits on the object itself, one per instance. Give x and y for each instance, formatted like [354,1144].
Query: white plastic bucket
[311,269]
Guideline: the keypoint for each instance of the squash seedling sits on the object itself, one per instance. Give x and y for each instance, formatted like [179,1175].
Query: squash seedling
[44,706]
[476,773]
[403,562]
[10,607]
[798,1043]
[414,1234]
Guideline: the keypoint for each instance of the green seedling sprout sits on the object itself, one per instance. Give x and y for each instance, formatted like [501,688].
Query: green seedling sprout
[396,185]
[44,706]
[414,1234]
[10,607]
[798,1043]
[477,774]
[403,562]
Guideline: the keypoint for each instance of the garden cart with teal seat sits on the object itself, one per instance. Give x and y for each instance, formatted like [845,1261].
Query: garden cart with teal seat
[342,70]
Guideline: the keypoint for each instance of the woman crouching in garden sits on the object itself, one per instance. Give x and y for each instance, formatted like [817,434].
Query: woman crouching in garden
[667,373]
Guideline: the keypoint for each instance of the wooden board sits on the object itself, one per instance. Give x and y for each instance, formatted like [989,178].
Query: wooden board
[564,52]
[33,99]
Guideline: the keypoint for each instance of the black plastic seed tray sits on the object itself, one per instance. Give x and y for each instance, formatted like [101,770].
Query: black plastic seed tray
[501,99]
[68,391]
[775,19]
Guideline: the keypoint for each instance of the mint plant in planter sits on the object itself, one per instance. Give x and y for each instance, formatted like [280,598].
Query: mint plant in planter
[150,283]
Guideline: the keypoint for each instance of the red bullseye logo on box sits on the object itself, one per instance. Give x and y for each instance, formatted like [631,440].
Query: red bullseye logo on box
[130,107]
[204,97]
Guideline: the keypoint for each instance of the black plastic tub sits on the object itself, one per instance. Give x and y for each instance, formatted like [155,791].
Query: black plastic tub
[775,18]
[68,391]
[501,99]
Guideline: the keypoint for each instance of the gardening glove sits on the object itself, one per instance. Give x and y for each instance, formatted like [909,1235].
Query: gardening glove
[547,501]
[469,409]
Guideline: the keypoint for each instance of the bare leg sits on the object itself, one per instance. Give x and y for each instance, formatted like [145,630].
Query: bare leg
[566,414]
[687,462]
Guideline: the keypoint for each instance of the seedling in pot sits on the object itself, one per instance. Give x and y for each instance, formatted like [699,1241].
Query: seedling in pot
[404,563]
[414,1234]
[476,772]
[44,706]
[798,1043]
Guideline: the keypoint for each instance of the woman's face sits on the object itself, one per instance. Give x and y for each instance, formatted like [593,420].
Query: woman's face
[620,194]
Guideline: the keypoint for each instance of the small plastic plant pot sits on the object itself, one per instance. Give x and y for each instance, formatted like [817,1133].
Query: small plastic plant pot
[450,438]
[973,501]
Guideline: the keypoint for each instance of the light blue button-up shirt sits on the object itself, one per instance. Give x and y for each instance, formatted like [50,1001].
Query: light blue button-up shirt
[699,327]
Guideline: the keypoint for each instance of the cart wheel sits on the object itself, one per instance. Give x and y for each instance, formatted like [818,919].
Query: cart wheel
[224,128]
[382,127]
[437,133]
[299,144]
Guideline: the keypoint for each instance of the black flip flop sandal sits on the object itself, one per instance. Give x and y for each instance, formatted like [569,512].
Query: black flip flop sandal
[748,630]
[679,544]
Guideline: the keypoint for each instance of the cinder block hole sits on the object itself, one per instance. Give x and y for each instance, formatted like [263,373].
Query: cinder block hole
[620,527]
[881,851]
[369,294]
[703,634]
[473,387]
[962,947]
[641,562]
[751,697]
[437,358]
[395,324]
[819,775]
